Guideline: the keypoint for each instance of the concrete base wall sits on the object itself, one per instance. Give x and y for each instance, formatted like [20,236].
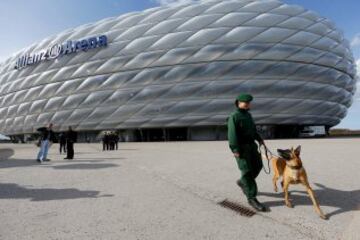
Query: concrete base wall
[210,133]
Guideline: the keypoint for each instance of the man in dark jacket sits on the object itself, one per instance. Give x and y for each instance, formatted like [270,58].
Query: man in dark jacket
[46,139]
[71,138]
[242,134]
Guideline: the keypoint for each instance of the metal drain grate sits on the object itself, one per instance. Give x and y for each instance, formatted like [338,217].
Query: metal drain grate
[242,210]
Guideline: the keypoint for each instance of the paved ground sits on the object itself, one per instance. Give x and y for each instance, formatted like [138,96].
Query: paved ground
[169,191]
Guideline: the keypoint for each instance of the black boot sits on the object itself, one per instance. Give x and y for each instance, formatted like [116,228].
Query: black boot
[257,205]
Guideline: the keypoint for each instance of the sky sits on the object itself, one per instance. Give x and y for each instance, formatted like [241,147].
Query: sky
[23,22]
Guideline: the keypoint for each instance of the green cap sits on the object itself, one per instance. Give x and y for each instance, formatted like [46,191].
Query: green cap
[244,97]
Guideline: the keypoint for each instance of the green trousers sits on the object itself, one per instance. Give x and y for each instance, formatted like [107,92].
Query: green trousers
[250,165]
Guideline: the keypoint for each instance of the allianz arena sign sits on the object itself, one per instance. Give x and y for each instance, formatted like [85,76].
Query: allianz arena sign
[58,50]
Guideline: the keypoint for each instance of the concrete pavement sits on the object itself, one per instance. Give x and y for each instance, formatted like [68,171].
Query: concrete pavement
[170,191]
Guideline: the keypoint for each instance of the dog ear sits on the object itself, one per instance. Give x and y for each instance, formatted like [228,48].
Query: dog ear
[297,151]
[286,154]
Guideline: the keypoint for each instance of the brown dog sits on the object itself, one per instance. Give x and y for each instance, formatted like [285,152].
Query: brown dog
[290,167]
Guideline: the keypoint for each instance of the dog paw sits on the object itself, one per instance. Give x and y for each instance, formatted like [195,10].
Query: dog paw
[275,189]
[289,205]
[324,217]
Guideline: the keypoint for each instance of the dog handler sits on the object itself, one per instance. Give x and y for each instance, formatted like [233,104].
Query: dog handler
[242,134]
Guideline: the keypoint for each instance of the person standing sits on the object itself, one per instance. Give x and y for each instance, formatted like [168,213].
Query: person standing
[46,139]
[116,141]
[62,141]
[108,139]
[242,134]
[71,138]
[105,141]
[112,141]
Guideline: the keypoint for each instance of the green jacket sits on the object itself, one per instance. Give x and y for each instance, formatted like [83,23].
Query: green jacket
[241,129]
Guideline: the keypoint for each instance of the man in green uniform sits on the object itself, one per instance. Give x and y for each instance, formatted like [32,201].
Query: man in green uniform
[242,134]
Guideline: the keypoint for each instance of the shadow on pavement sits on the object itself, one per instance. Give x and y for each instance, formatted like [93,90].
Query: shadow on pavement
[344,201]
[14,163]
[84,166]
[6,153]
[66,164]
[14,191]
[119,150]
[102,158]
[108,151]
[81,160]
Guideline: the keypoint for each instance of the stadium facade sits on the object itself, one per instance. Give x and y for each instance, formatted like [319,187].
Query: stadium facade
[172,73]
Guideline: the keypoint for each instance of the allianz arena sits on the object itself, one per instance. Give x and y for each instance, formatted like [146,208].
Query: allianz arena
[173,72]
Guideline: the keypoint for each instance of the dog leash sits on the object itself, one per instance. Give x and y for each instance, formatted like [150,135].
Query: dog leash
[267,152]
